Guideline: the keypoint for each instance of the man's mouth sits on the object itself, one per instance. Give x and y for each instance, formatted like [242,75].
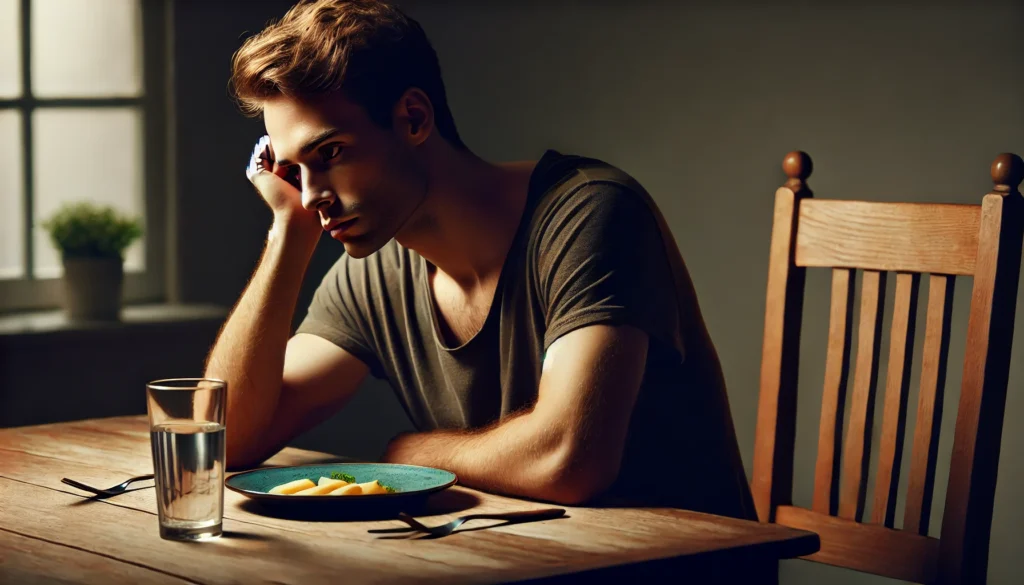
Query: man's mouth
[336,228]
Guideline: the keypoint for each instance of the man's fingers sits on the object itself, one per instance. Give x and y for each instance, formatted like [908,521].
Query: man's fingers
[261,158]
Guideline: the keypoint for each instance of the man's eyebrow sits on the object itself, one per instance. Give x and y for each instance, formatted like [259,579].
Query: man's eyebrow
[311,144]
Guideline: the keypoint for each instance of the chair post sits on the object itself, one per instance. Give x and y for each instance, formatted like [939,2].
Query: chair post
[967,518]
[772,482]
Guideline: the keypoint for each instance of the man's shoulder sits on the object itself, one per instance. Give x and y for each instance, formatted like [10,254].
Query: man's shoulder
[571,188]
[562,175]
[571,184]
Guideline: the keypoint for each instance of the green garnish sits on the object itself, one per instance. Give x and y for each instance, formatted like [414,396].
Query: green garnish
[351,479]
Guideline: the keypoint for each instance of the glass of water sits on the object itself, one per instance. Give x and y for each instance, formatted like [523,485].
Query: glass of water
[186,430]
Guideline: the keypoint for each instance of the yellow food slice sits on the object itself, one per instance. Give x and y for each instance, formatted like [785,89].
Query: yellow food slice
[292,486]
[372,487]
[324,488]
[324,480]
[352,489]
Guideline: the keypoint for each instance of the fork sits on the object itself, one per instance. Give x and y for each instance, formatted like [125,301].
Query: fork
[446,529]
[110,491]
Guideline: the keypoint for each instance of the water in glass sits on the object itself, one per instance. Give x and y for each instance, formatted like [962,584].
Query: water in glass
[188,461]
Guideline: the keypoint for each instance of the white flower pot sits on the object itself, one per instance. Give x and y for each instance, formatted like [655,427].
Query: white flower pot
[92,288]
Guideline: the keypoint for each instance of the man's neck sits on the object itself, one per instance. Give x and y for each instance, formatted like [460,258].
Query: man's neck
[469,217]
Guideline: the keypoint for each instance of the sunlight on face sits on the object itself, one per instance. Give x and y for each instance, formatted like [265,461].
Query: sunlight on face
[361,178]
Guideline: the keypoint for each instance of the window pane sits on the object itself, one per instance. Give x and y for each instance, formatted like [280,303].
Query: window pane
[86,48]
[12,211]
[10,48]
[85,154]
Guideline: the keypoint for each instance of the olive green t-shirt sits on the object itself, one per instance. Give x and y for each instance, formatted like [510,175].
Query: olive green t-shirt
[591,248]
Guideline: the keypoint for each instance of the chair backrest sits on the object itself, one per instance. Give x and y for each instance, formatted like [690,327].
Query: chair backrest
[943,241]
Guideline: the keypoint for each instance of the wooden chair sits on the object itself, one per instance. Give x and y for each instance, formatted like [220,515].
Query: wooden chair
[983,241]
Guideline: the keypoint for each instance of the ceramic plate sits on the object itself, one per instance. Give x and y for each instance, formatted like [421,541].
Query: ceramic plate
[408,481]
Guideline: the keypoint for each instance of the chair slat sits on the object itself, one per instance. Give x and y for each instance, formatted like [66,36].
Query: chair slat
[897,388]
[837,367]
[858,438]
[929,404]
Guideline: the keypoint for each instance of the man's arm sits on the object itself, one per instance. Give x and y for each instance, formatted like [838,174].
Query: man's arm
[568,447]
[276,387]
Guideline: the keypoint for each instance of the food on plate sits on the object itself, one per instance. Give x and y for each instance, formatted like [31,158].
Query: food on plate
[322,487]
[349,489]
[338,484]
[293,486]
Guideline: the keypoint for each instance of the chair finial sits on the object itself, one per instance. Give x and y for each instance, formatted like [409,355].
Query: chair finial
[798,166]
[1007,172]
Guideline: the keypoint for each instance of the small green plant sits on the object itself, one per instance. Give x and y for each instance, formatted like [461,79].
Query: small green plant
[85,230]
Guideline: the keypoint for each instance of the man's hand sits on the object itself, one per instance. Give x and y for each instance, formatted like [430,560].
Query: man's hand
[280,190]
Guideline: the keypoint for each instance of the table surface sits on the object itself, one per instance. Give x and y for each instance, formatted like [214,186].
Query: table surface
[51,532]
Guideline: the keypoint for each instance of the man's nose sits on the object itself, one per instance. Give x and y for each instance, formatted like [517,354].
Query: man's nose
[315,193]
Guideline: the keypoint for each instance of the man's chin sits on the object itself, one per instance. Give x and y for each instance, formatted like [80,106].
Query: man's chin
[360,246]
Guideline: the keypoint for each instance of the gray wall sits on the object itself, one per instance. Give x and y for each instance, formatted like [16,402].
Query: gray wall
[700,103]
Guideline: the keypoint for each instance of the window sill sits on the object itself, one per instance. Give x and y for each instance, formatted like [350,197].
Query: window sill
[51,325]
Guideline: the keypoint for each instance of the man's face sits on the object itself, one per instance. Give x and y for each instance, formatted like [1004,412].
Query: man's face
[362,179]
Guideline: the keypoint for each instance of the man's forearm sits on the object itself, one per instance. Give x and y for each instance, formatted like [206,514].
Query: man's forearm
[249,352]
[522,456]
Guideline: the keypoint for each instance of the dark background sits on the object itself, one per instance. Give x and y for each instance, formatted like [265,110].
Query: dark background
[699,101]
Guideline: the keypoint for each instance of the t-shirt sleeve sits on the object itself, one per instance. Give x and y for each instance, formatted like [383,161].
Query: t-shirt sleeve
[601,259]
[336,314]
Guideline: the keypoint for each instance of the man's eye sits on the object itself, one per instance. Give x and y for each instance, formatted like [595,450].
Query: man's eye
[330,152]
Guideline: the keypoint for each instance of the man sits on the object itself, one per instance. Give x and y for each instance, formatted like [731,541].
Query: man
[535,319]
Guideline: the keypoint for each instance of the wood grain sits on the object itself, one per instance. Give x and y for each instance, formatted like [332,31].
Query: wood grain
[983,241]
[833,401]
[30,561]
[875,236]
[772,481]
[258,548]
[970,495]
[867,547]
[897,389]
[858,437]
[924,453]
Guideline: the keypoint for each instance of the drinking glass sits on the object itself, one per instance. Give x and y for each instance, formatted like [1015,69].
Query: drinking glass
[186,430]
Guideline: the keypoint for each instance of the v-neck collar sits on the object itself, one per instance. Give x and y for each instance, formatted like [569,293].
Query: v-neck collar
[537,186]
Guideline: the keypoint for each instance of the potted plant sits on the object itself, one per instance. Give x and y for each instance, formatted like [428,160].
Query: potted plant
[91,240]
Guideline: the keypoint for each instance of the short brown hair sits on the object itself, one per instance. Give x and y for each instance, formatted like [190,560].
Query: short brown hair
[367,48]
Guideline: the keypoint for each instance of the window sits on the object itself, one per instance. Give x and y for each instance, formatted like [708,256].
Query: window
[82,117]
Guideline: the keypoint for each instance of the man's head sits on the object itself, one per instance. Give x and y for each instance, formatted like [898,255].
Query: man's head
[365,71]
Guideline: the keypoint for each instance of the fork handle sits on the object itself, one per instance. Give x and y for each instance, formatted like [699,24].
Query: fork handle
[81,486]
[542,514]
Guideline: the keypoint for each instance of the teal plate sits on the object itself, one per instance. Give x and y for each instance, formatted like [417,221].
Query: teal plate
[408,481]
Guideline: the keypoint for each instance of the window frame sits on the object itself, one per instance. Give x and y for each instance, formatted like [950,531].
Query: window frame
[30,293]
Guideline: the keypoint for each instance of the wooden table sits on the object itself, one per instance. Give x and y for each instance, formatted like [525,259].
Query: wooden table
[50,532]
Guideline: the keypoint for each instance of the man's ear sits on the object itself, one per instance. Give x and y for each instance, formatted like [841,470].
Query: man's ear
[413,116]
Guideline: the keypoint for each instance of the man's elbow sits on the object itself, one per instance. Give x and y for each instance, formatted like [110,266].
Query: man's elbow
[240,456]
[575,482]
